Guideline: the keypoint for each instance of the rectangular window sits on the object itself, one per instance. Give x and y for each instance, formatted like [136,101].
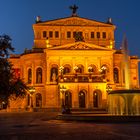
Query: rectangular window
[50,34]
[80,33]
[98,34]
[68,34]
[104,34]
[44,34]
[56,34]
[74,34]
[92,34]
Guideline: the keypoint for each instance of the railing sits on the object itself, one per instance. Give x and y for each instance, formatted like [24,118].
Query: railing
[84,78]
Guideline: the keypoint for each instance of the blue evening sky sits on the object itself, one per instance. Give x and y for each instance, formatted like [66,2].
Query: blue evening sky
[17,17]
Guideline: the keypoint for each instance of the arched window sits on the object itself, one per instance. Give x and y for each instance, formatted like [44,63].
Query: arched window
[54,74]
[38,100]
[92,68]
[67,69]
[80,69]
[82,96]
[29,76]
[104,69]
[39,75]
[116,75]
[97,98]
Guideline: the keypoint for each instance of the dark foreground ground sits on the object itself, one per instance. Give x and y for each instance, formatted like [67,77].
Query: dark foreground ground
[44,126]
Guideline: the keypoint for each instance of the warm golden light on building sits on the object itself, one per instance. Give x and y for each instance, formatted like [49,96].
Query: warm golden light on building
[78,54]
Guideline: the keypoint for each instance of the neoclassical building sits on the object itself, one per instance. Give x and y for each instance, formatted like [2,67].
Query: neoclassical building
[73,62]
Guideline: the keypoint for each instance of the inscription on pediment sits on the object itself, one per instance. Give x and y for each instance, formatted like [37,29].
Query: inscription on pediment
[80,46]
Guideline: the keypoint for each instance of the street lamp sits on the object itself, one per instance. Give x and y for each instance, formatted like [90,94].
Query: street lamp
[31,90]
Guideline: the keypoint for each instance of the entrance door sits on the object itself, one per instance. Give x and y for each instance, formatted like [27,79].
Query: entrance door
[68,99]
[97,98]
[82,99]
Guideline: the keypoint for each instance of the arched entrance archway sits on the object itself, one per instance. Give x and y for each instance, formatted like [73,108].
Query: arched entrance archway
[82,96]
[97,98]
[68,99]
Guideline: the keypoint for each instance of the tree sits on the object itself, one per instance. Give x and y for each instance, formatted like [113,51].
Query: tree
[5,46]
[9,83]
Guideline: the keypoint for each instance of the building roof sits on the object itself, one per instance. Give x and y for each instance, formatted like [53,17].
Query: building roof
[74,21]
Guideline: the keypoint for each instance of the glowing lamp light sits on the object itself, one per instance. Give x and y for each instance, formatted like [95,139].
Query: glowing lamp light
[111,45]
[61,68]
[75,67]
[90,68]
[47,43]
[31,90]
[63,88]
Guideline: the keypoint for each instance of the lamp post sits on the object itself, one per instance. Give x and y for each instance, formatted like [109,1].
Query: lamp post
[31,90]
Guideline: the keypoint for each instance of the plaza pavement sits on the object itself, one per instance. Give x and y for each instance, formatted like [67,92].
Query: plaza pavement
[44,126]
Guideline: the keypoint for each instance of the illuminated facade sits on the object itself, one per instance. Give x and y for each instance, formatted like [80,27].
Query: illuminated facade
[74,63]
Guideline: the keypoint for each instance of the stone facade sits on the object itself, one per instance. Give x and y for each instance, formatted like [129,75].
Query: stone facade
[73,63]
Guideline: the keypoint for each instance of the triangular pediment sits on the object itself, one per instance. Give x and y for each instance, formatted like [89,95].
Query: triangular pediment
[80,46]
[75,21]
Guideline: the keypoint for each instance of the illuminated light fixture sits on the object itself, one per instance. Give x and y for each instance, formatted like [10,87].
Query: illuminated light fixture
[31,90]
[63,88]
[61,68]
[103,68]
[108,89]
[111,44]
[75,68]
[90,68]
[47,43]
